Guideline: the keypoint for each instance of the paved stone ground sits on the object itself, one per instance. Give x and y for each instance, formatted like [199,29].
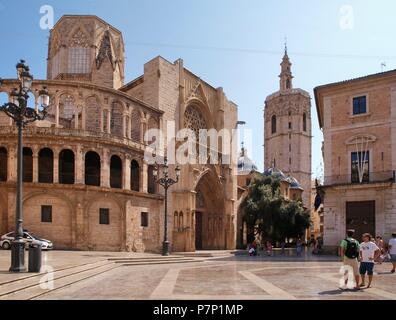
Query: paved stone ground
[233,278]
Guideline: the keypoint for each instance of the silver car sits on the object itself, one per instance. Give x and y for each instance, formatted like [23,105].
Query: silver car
[6,240]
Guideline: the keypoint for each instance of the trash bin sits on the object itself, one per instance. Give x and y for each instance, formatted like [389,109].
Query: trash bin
[35,257]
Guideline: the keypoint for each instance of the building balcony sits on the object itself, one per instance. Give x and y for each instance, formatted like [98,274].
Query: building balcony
[371,178]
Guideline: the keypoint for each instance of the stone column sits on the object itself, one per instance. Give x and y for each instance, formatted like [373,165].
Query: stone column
[105,169]
[35,166]
[83,118]
[124,124]
[108,121]
[56,165]
[79,167]
[101,120]
[144,178]
[129,128]
[126,173]
[76,119]
[57,115]
[142,126]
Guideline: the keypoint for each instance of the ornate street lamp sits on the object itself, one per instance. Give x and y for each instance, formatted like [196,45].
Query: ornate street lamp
[18,110]
[165,182]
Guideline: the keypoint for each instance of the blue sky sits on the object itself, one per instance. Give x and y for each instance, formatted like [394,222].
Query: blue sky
[235,44]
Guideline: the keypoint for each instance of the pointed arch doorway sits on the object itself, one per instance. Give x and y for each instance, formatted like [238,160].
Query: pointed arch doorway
[210,231]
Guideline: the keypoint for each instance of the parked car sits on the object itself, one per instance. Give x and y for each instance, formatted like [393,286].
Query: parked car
[28,237]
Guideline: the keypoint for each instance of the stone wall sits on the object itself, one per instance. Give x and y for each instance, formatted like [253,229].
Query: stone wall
[75,217]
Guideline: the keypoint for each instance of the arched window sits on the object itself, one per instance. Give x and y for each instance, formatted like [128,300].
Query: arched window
[46,166]
[115,172]
[66,167]
[305,122]
[92,169]
[151,184]
[3,164]
[135,176]
[194,119]
[67,107]
[79,53]
[135,128]
[27,165]
[273,124]
[287,84]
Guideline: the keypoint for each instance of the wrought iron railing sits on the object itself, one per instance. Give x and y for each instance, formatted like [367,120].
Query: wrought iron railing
[372,177]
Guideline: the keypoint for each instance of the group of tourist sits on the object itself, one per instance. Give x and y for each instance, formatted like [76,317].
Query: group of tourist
[368,253]
[315,244]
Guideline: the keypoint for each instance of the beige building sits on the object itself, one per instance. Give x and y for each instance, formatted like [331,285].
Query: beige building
[87,183]
[358,119]
[287,131]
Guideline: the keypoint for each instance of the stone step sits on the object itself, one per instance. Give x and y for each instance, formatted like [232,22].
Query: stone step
[24,276]
[145,263]
[207,254]
[36,291]
[34,280]
[149,260]
[146,258]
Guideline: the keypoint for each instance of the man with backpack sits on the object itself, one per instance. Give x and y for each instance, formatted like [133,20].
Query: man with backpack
[349,252]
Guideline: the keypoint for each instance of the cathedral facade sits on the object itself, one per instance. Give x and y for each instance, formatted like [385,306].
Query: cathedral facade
[87,184]
[287,131]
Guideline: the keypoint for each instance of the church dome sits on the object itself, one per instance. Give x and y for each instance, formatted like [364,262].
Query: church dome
[275,172]
[245,164]
[294,184]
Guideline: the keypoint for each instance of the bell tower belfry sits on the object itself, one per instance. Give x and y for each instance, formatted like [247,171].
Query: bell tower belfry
[287,130]
[286,77]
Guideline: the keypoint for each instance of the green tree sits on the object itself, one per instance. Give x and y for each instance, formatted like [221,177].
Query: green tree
[267,213]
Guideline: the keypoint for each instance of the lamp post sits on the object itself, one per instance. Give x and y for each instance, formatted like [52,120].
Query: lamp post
[165,182]
[18,110]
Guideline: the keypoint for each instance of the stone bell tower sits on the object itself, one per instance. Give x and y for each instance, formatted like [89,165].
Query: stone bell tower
[86,48]
[287,133]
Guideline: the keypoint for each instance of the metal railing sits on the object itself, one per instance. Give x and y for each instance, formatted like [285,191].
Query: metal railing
[372,177]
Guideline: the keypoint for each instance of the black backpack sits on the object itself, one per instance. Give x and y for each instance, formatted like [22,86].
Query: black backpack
[352,249]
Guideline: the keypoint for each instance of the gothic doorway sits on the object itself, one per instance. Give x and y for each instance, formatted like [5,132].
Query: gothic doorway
[210,229]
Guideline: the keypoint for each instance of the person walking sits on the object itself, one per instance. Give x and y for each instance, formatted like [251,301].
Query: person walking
[369,252]
[349,252]
[381,245]
[269,248]
[392,251]
[283,245]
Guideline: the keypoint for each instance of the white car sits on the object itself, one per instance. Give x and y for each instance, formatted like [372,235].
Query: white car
[6,240]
